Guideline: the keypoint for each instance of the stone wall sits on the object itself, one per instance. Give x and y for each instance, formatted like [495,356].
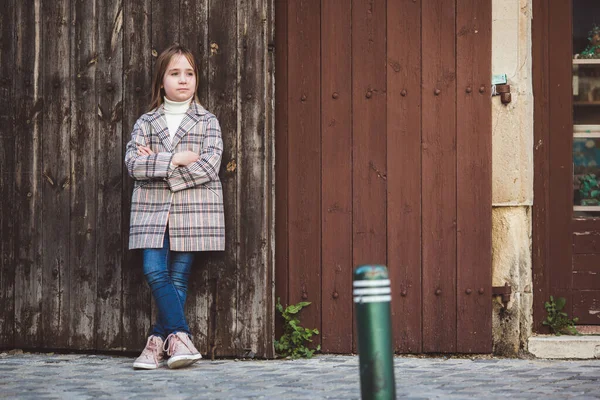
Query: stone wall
[512,165]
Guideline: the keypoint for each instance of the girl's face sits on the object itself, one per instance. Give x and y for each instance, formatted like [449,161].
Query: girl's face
[179,80]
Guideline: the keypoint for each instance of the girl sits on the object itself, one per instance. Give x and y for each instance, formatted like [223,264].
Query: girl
[174,155]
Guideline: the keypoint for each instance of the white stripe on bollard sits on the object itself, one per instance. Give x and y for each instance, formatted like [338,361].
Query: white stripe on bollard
[372,299]
[376,290]
[374,283]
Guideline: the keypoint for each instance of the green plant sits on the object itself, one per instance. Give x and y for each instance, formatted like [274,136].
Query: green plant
[558,320]
[293,341]
[589,190]
[593,48]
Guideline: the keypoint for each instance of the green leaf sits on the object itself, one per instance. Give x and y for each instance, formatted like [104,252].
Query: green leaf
[295,337]
[560,303]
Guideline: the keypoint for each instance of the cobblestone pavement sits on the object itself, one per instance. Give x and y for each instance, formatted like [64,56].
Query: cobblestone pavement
[50,376]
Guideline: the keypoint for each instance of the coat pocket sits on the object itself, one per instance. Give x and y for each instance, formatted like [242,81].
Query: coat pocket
[212,190]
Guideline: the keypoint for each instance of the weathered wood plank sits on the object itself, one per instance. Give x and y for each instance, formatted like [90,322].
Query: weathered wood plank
[586,271]
[474,176]
[28,168]
[223,101]
[586,236]
[194,25]
[369,113]
[586,307]
[439,177]
[56,173]
[584,242]
[137,79]
[541,206]
[304,159]
[404,166]
[166,30]
[336,175]
[82,267]
[7,174]
[195,37]
[253,300]
[109,164]
[281,164]
[166,24]
[269,305]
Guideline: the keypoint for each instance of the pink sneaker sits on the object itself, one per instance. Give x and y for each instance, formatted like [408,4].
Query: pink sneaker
[152,356]
[181,349]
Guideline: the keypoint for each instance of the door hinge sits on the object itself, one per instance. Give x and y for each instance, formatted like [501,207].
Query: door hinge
[504,291]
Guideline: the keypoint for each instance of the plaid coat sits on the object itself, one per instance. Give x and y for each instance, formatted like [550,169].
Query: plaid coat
[189,198]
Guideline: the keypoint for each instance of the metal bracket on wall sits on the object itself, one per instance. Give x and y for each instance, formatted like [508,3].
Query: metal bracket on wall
[504,91]
[504,291]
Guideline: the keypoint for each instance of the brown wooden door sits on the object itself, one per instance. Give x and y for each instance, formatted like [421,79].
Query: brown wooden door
[383,147]
[567,216]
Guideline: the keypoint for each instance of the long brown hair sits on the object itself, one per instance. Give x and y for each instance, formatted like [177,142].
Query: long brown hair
[162,62]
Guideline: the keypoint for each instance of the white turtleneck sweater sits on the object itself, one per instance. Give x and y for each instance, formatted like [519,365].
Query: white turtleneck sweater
[174,113]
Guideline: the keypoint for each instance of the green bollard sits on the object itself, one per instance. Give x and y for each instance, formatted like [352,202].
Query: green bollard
[372,297]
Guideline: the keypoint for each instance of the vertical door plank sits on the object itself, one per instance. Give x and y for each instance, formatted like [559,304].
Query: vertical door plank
[109,96]
[561,121]
[304,159]
[194,24]
[369,131]
[83,192]
[439,177]
[253,191]
[56,180]
[474,175]
[281,163]
[369,114]
[28,175]
[223,100]
[541,205]
[404,166]
[7,173]
[137,58]
[336,171]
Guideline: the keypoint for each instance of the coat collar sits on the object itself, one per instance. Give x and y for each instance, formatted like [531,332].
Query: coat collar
[159,124]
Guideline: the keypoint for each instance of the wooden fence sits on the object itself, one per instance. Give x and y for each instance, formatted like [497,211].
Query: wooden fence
[75,75]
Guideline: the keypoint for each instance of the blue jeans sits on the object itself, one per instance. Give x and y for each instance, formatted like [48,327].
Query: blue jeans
[167,273]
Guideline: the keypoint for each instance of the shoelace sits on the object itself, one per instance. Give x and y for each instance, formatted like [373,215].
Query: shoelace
[171,343]
[152,347]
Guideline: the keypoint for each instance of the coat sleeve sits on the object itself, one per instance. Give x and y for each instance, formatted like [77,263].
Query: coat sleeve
[155,166]
[207,167]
